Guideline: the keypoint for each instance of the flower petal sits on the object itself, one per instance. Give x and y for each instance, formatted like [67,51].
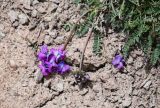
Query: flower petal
[44,70]
[117,60]
[42,56]
[120,65]
[44,49]
[63,68]
[59,54]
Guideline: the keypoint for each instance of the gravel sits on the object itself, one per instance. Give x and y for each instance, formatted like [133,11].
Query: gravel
[2,35]
[13,15]
[23,19]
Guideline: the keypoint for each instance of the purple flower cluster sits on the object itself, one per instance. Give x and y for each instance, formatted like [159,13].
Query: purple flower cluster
[52,60]
[118,62]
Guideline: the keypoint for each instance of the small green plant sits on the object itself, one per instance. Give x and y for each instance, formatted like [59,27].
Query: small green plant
[94,9]
[138,19]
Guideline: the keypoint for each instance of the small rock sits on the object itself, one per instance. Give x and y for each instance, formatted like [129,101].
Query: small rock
[59,87]
[59,40]
[26,3]
[34,2]
[23,19]
[53,34]
[66,6]
[138,63]
[55,1]
[147,85]
[13,64]
[1,27]
[13,16]
[2,35]
[48,39]
[48,18]
[34,13]
[15,24]
[38,76]
[25,84]
[59,10]
[127,102]
[47,83]
[130,60]
[41,9]
[53,24]
[53,7]
[83,91]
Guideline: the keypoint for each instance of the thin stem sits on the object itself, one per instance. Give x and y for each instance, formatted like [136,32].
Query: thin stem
[89,35]
[82,56]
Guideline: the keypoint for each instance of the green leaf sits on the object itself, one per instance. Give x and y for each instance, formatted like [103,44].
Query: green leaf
[155,55]
[97,44]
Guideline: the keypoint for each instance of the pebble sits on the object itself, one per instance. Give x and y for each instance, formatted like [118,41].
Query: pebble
[25,84]
[13,16]
[34,13]
[59,39]
[53,24]
[127,102]
[130,60]
[59,87]
[53,34]
[23,19]
[47,83]
[1,27]
[48,39]
[27,3]
[147,85]
[34,2]
[48,18]
[2,35]
[55,1]
[138,63]
[53,7]
[83,91]
[41,9]
[38,76]
[15,24]
[13,64]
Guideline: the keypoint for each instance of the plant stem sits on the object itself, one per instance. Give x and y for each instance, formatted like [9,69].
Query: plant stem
[82,56]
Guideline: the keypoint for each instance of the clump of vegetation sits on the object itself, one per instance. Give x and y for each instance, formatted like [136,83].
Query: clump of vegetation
[138,19]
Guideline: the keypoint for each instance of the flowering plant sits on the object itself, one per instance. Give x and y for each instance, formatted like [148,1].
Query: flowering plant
[52,61]
[118,62]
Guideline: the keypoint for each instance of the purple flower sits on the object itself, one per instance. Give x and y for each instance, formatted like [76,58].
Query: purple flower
[63,68]
[43,53]
[118,62]
[52,60]
[59,53]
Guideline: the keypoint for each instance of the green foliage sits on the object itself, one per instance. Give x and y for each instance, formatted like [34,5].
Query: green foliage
[155,55]
[90,18]
[97,44]
[139,19]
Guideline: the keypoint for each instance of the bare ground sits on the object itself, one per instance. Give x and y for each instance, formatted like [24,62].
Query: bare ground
[109,88]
